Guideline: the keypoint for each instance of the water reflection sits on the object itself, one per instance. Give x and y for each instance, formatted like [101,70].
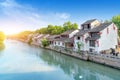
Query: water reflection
[23,62]
[79,70]
[2,46]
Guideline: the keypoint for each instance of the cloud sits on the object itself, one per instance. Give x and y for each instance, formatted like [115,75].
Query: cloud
[63,15]
[9,3]
[16,17]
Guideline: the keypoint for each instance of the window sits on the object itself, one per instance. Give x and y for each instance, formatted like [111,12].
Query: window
[55,42]
[58,43]
[63,44]
[95,34]
[83,27]
[78,38]
[92,43]
[91,50]
[88,26]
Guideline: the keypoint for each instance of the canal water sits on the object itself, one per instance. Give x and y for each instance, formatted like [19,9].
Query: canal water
[19,61]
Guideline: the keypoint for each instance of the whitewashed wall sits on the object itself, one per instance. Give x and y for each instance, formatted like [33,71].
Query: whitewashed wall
[109,40]
[75,42]
[106,41]
[84,45]
[59,43]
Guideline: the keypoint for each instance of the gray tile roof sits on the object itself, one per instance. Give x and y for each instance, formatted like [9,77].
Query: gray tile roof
[52,37]
[89,21]
[96,29]
[82,32]
[100,27]
[71,40]
[67,32]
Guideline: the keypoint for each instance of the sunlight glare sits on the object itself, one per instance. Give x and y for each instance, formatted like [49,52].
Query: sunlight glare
[10,31]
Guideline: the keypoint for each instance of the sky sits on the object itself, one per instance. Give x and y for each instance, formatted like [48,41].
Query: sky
[20,15]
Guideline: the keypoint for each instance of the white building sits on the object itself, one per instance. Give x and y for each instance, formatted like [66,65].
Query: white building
[65,39]
[96,37]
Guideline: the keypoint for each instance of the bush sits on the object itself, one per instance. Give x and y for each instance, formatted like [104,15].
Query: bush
[45,42]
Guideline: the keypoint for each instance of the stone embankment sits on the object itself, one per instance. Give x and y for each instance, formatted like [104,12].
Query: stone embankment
[108,60]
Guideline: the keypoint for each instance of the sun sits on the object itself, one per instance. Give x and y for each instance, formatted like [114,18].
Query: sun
[10,31]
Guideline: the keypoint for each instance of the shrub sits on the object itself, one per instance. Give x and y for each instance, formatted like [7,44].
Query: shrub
[45,42]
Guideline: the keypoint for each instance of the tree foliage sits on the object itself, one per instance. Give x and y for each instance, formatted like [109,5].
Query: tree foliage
[2,36]
[57,30]
[42,31]
[45,42]
[50,29]
[116,20]
[68,26]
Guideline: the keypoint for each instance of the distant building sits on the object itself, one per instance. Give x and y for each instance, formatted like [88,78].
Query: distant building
[36,38]
[95,36]
[65,39]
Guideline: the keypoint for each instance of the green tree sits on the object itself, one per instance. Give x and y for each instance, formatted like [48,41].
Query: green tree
[45,42]
[116,20]
[74,26]
[57,30]
[2,36]
[69,26]
[50,28]
[43,31]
